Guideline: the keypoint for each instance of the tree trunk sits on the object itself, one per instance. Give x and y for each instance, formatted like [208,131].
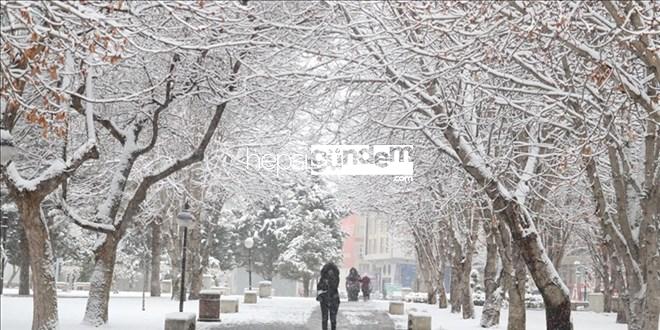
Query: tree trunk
[470,244]
[517,316]
[196,269]
[173,249]
[96,311]
[425,271]
[430,294]
[44,313]
[3,255]
[491,312]
[607,295]
[24,278]
[618,285]
[651,309]
[176,284]
[456,284]
[523,230]
[442,293]
[306,281]
[155,258]
[466,301]
[196,283]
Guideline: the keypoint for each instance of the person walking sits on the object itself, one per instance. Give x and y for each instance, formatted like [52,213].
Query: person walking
[366,287]
[328,295]
[353,284]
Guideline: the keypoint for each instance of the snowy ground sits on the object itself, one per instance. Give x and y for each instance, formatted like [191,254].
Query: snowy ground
[125,312]
[443,319]
[276,313]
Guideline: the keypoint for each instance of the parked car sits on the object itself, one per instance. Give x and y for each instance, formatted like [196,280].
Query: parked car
[479,298]
[534,301]
[418,297]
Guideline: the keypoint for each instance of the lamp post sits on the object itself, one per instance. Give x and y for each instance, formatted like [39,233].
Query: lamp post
[584,279]
[249,243]
[185,220]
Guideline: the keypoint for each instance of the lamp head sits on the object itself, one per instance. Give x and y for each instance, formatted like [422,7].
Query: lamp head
[185,219]
[249,242]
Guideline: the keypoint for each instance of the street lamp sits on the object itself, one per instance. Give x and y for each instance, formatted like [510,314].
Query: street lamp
[185,220]
[7,149]
[249,243]
[584,279]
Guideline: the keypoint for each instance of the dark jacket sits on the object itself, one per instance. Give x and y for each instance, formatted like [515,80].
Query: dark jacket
[366,284]
[328,284]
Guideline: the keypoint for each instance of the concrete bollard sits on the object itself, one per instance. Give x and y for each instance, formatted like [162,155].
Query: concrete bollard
[265,288]
[396,307]
[209,306]
[419,321]
[228,305]
[250,297]
[180,321]
[596,302]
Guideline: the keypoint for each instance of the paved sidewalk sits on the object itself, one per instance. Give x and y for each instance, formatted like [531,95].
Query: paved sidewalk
[355,315]
[252,326]
[352,316]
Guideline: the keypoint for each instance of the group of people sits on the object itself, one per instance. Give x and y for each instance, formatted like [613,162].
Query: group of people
[328,293]
[354,283]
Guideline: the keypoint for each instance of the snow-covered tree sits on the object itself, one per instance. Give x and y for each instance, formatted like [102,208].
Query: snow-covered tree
[266,222]
[313,233]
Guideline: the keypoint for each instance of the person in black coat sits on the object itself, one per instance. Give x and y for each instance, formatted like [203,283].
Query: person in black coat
[353,284]
[366,287]
[328,295]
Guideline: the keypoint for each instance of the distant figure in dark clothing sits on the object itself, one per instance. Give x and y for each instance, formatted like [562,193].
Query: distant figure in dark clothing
[328,295]
[353,284]
[366,287]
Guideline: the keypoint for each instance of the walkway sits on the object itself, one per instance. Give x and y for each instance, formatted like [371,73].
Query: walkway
[352,316]
[355,315]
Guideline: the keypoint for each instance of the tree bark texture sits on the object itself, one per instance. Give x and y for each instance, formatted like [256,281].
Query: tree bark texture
[155,257]
[44,314]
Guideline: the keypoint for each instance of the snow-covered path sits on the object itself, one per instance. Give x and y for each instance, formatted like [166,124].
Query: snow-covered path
[356,315]
[278,313]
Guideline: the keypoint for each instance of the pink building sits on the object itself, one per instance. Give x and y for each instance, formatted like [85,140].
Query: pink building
[351,246]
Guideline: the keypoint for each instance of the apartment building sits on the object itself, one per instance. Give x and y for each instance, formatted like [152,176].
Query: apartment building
[374,247]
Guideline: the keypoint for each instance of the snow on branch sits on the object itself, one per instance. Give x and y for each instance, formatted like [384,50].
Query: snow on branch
[522,189]
[195,156]
[78,220]
[58,170]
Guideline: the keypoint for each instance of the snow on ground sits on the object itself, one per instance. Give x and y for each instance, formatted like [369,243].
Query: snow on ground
[279,310]
[126,313]
[443,319]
